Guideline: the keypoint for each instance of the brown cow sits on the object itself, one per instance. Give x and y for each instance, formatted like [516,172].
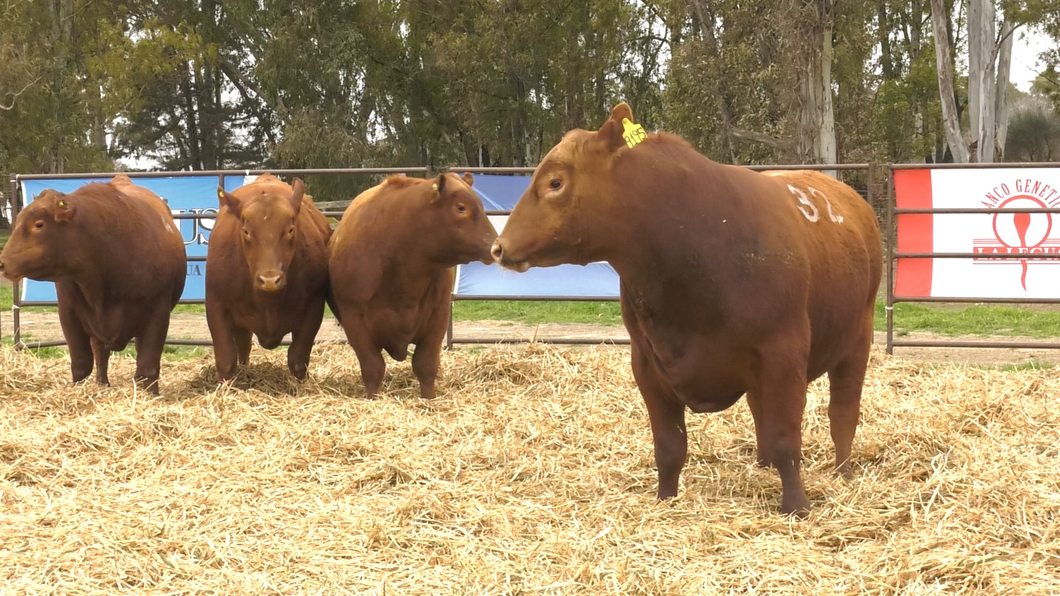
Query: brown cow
[732,283]
[391,263]
[266,273]
[118,262]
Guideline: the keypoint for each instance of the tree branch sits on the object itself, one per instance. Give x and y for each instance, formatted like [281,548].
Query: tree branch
[243,83]
[14,96]
[768,140]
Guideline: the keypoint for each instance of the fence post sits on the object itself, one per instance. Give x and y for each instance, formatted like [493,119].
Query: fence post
[891,235]
[449,330]
[16,298]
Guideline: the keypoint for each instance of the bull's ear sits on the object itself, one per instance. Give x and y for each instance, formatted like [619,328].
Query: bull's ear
[438,187]
[64,211]
[229,200]
[296,196]
[468,179]
[613,132]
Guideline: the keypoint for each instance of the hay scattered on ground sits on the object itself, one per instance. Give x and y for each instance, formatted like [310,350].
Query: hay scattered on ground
[531,474]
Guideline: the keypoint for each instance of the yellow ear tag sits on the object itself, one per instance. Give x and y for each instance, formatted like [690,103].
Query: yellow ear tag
[435,186]
[633,134]
[62,204]
[220,194]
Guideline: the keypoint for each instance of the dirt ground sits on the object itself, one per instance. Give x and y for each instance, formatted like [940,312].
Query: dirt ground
[45,326]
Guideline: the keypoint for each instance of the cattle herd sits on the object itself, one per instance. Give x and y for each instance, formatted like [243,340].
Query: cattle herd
[733,282]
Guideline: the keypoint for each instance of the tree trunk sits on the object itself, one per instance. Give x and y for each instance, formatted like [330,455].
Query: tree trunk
[191,119]
[826,141]
[704,13]
[914,34]
[981,40]
[1004,68]
[975,66]
[62,22]
[884,29]
[950,122]
[817,142]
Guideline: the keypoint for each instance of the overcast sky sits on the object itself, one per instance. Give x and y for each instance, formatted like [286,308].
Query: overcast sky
[1025,50]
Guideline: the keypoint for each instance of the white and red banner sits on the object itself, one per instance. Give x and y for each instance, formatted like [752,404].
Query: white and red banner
[987,234]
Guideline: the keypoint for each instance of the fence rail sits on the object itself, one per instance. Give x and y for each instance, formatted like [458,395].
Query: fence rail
[892,256]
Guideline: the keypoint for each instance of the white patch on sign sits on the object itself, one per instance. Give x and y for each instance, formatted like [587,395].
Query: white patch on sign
[813,214]
[828,204]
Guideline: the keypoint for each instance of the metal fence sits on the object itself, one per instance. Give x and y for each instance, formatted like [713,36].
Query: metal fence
[892,256]
[16,205]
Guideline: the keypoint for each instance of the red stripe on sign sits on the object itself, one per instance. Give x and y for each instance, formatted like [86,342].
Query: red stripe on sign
[912,190]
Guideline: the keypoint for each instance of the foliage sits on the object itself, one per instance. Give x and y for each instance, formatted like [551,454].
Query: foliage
[1034,134]
[92,84]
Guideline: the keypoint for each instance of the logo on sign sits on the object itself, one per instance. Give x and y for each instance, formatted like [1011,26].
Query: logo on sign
[1020,233]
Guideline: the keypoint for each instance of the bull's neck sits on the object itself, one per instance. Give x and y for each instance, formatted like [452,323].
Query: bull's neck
[626,240]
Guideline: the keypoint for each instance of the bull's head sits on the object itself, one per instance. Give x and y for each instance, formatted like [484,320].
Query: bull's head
[40,238]
[268,232]
[465,233]
[553,222]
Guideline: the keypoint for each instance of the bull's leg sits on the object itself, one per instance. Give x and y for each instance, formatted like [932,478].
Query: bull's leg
[149,346]
[781,383]
[302,339]
[845,383]
[754,403]
[102,356]
[428,353]
[370,357]
[224,346]
[667,416]
[242,338]
[78,342]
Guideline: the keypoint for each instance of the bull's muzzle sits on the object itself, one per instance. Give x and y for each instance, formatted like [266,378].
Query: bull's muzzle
[270,281]
[497,252]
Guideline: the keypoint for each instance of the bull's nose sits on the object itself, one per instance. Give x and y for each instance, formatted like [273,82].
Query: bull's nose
[496,251]
[1,265]
[270,283]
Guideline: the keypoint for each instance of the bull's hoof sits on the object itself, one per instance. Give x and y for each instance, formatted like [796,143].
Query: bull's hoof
[797,507]
[844,471]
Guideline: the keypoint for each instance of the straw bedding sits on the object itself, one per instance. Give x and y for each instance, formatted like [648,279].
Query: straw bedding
[531,474]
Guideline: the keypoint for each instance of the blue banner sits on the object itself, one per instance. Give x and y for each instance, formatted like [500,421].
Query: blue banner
[183,194]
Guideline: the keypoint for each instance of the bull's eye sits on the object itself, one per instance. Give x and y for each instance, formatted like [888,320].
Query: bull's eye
[554,185]
[246,234]
[460,207]
[290,232]
[39,225]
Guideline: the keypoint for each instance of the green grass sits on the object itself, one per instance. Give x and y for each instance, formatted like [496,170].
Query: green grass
[972,320]
[908,317]
[534,312]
